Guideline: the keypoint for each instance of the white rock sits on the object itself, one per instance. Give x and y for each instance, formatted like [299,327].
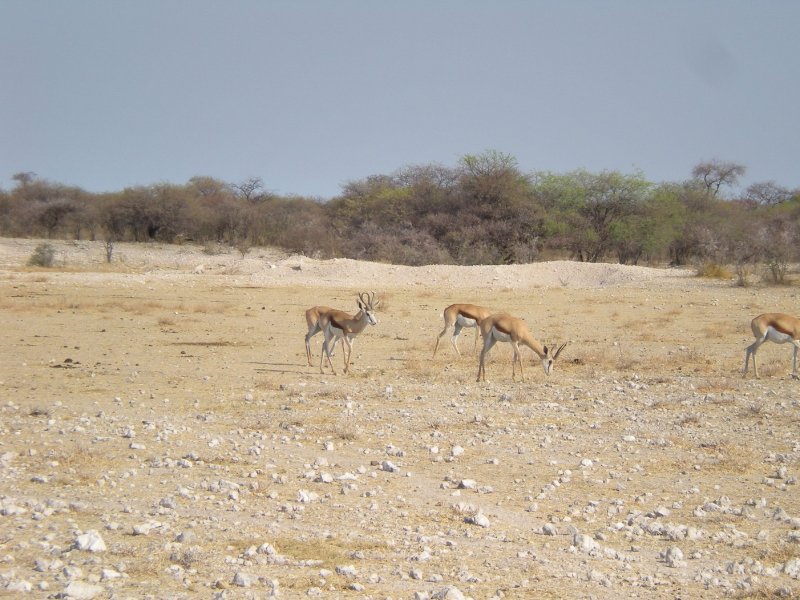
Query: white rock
[792,568]
[305,496]
[389,466]
[478,519]
[584,543]
[457,451]
[347,571]
[242,579]
[20,586]
[80,590]
[673,556]
[449,593]
[107,574]
[90,541]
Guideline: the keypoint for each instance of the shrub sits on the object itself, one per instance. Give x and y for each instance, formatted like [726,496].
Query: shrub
[714,270]
[43,256]
[215,249]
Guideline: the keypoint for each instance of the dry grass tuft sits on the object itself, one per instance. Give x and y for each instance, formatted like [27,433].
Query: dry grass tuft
[345,432]
[416,367]
[687,420]
[714,271]
[330,551]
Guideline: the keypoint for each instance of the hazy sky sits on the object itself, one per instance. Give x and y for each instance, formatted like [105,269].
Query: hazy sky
[308,95]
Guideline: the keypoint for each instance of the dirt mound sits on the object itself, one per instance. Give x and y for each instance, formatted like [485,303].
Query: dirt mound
[272,267]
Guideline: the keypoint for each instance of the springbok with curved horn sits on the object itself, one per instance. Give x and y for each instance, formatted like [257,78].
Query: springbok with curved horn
[779,328]
[459,316]
[338,324]
[502,327]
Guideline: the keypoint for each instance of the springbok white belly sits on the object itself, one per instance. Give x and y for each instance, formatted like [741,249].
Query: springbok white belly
[773,335]
[500,336]
[466,321]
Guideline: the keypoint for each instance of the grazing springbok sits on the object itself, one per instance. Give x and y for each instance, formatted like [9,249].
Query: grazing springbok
[773,327]
[459,316]
[313,316]
[502,327]
[338,324]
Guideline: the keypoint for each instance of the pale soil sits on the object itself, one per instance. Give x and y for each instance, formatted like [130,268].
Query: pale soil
[146,392]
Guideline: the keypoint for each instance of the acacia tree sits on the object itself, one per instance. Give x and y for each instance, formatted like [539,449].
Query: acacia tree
[24,178]
[767,193]
[249,190]
[716,173]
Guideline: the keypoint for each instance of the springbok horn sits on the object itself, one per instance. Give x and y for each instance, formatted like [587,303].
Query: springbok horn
[560,348]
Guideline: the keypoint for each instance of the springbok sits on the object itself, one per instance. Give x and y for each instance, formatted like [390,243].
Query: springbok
[338,324]
[773,327]
[313,316]
[502,327]
[459,316]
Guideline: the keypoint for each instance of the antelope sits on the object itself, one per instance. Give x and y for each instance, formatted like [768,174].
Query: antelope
[313,316]
[502,327]
[458,316]
[338,324]
[773,327]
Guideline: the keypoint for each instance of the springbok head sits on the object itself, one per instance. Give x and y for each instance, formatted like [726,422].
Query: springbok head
[550,357]
[368,305]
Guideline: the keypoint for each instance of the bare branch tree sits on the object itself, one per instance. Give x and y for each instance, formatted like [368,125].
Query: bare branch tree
[767,193]
[248,190]
[23,178]
[715,173]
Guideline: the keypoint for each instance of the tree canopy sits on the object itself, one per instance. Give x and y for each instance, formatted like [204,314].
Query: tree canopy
[483,210]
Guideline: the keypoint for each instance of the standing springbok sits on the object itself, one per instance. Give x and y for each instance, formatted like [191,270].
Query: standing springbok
[502,327]
[313,316]
[459,316]
[338,324]
[773,327]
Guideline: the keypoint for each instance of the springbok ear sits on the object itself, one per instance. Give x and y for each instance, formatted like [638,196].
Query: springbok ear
[546,351]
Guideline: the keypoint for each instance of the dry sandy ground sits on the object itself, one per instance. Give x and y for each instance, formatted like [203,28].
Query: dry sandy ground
[162,436]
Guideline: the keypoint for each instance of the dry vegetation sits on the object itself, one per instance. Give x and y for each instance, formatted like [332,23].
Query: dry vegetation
[145,393]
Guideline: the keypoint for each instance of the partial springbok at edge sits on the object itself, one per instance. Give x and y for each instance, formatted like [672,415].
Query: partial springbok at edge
[338,324]
[502,327]
[313,316]
[459,316]
[779,328]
